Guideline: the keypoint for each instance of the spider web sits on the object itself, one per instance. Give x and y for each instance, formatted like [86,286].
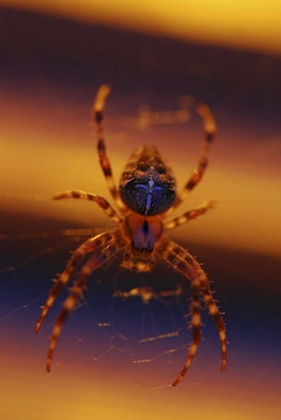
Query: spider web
[145,337]
[106,329]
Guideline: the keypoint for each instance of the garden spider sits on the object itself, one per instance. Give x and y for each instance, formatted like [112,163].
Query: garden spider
[147,193]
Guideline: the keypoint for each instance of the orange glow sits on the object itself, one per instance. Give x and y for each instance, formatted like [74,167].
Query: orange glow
[86,391]
[247,216]
[249,24]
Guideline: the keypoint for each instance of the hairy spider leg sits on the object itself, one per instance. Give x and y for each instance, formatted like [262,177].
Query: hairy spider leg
[77,290]
[102,202]
[184,263]
[98,111]
[95,245]
[182,254]
[190,215]
[167,253]
[215,314]
[196,176]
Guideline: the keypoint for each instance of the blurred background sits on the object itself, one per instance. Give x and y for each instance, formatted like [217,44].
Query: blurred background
[117,357]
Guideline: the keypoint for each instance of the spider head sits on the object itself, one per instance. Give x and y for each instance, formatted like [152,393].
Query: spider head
[135,260]
[143,233]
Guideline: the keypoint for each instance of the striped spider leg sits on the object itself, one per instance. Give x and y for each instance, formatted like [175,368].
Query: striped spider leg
[98,117]
[94,245]
[196,176]
[102,246]
[185,264]
[80,284]
[146,194]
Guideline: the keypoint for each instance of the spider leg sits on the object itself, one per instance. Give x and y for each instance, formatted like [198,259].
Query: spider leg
[91,245]
[98,116]
[196,328]
[184,263]
[215,314]
[168,254]
[77,290]
[102,202]
[197,174]
[190,215]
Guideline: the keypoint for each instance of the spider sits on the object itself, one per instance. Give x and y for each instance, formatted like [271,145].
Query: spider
[146,195]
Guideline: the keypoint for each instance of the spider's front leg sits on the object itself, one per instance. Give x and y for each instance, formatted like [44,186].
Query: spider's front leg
[166,250]
[184,263]
[95,245]
[76,291]
[215,314]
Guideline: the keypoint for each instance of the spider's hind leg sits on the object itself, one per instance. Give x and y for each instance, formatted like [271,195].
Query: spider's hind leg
[98,115]
[209,130]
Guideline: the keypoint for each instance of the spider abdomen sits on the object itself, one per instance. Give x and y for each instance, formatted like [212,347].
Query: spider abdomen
[147,185]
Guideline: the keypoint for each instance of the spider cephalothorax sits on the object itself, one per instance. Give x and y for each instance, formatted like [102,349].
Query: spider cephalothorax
[143,231]
[147,194]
